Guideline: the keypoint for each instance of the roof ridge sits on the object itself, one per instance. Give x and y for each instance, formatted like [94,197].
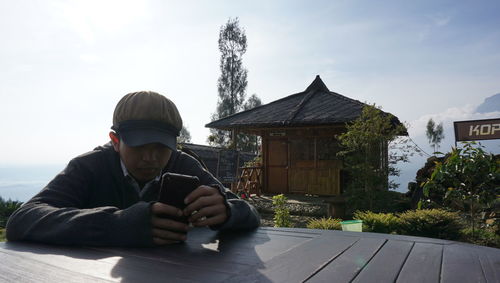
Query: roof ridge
[346,98]
[299,106]
[252,109]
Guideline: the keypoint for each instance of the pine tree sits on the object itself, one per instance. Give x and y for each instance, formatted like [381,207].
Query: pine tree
[232,82]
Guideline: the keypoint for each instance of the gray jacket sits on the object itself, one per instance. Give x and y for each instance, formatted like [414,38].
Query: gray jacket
[91,203]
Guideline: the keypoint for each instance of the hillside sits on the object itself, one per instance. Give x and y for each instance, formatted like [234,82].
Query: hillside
[490,104]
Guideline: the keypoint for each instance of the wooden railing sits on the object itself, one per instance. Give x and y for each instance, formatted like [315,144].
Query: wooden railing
[250,182]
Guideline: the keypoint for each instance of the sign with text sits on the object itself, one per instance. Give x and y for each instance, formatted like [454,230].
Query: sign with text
[488,129]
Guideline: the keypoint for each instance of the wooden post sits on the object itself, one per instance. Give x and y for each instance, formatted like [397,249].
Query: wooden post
[234,138]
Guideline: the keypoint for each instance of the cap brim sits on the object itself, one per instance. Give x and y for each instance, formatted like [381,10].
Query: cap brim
[138,137]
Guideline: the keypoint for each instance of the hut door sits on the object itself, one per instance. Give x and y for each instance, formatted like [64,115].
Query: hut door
[277,166]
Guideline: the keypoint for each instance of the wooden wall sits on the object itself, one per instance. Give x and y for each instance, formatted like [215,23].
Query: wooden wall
[301,160]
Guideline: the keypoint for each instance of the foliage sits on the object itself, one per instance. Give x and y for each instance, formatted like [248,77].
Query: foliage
[469,177]
[185,136]
[325,223]
[435,197]
[382,201]
[7,207]
[255,162]
[434,134]
[252,102]
[281,212]
[433,223]
[232,82]
[249,143]
[483,237]
[378,222]
[2,235]
[365,155]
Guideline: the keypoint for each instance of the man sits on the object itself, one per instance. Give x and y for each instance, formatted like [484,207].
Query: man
[107,197]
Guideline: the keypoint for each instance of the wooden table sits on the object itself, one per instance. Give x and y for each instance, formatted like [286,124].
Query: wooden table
[263,255]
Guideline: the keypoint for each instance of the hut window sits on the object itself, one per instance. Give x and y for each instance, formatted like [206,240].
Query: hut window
[301,150]
[327,148]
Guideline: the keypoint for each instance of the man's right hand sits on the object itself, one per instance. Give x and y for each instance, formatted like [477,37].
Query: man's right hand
[165,230]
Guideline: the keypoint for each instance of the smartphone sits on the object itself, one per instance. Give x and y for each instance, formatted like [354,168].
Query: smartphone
[175,188]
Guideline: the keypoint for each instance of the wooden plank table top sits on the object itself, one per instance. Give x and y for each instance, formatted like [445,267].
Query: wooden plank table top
[262,255]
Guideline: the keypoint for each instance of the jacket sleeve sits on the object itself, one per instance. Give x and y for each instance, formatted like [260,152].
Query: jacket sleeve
[242,215]
[58,215]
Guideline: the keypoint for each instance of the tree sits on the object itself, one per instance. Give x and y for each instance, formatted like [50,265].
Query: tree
[245,142]
[185,136]
[367,159]
[252,102]
[7,207]
[232,82]
[434,134]
[468,175]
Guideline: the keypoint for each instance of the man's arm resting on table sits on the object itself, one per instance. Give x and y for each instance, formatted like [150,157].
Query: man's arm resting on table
[57,215]
[102,226]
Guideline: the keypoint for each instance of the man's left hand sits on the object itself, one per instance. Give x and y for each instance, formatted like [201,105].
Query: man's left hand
[208,205]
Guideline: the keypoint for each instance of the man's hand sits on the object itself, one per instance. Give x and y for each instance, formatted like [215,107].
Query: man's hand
[208,205]
[165,230]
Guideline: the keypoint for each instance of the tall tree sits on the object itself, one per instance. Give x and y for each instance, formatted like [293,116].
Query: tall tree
[232,82]
[434,134]
[371,147]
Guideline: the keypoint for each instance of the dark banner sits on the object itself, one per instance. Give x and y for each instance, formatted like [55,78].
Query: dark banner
[488,129]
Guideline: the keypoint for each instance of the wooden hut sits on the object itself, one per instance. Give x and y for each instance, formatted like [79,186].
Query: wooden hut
[298,139]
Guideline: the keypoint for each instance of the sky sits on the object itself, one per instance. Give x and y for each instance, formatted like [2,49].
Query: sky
[65,64]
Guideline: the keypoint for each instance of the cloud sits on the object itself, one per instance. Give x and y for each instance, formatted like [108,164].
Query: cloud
[447,117]
[440,20]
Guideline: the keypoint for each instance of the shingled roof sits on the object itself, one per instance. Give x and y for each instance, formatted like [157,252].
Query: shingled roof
[316,105]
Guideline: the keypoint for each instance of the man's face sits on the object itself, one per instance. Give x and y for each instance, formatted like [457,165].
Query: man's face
[144,162]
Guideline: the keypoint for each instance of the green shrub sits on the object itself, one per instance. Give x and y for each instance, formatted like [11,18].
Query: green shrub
[7,207]
[281,212]
[483,237]
[433,223]
[325,223]
[378,222]
[2,235]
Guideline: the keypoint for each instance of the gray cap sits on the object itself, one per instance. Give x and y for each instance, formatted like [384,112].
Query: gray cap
[147,117]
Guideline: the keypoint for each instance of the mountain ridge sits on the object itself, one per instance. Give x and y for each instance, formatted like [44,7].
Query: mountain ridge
[490,104]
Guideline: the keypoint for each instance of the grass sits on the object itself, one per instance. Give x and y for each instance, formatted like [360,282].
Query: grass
[2,235]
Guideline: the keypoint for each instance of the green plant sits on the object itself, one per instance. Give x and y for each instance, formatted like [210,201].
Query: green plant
[255,162]
[433,223]
[281,212]
[378,222]
[2,235]
[483,237]
[325,223]
[7,207]
[468,176]
[371,147]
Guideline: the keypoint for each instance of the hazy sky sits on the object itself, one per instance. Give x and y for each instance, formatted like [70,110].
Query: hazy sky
[65,64]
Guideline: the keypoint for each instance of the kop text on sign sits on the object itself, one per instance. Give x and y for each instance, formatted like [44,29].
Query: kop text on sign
[473,130]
